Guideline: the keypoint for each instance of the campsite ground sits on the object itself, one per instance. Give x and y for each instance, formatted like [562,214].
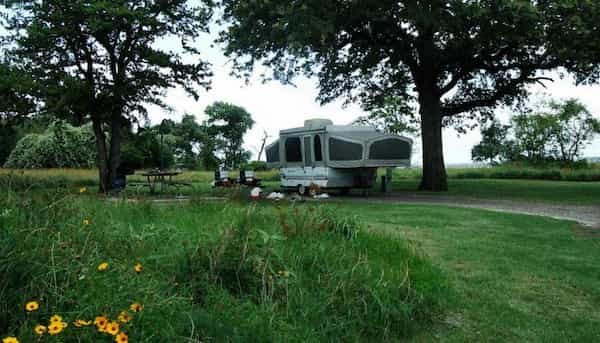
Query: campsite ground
[508,277]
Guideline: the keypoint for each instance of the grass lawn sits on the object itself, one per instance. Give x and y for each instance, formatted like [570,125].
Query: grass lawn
[233,271]
[516,277]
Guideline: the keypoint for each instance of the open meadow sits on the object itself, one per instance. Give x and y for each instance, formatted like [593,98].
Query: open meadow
[225,269]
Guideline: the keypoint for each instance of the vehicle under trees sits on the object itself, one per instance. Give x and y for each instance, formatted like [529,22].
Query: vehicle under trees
[457,59]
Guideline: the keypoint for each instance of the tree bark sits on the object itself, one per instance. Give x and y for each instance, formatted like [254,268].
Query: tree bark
[434,171]
[115,147]
[103,171]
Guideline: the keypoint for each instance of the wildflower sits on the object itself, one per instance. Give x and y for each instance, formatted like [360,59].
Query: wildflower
[40,329]
[86,222]
[100,323]
[82,190]
[138,267]
[112,328]
[80,322]
[32,306]
[122,338]
[283,273]
[15,340]
[55,328]
[136,307]
[64,324]
[124,317]
[56,319]
[103,266]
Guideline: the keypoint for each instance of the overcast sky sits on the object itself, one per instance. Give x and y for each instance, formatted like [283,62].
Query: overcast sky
[275,107]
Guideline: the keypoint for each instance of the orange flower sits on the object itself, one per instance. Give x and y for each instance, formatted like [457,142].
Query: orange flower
[138,267]
[124,317]
[122,338]
[40,329]
[136,307]
[55,328]
[32,306]
[56,319]
[80,322]
[103,266]
[100,323]
[112,328]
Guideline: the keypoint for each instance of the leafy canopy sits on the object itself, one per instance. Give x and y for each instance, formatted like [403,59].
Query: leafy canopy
[473,55]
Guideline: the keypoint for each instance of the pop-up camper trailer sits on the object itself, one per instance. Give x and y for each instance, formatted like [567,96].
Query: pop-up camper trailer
[335,157]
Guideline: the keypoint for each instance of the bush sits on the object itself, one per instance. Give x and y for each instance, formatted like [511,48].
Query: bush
[255,165]
[60,146]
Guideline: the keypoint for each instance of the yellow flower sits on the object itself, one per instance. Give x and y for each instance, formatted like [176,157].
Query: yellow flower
[124,317]
[15,340]
[56,319]
[103,266]
[136,307]
[40,329]
[82,190]
[112,328]
[32,306]
[64,324]
[138,267]
[80,322]
[55,328]
[122,338]
[86,221]
[100,323]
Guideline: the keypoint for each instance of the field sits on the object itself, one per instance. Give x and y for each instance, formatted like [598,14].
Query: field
[230,270]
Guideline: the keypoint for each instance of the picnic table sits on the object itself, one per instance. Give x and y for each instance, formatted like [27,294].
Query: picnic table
[161,178]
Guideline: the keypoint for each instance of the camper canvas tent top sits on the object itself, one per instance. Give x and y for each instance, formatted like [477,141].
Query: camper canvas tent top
[334,156]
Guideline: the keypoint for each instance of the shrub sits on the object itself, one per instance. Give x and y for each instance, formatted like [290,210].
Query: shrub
[60,146]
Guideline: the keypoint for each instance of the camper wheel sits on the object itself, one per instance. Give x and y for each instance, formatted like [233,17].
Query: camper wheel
[301,189]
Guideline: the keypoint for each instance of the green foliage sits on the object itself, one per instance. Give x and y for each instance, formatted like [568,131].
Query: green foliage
[395,115]
[492,145]
[574,127]
[558,133]
[60,146]
[256,165]
[227,124]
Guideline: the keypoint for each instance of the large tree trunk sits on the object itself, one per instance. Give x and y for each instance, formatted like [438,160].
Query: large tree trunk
[434,171]
[103,170]
[115,148]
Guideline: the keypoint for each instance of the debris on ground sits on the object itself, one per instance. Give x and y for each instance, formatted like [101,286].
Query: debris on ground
[255,193]
[276,196]
[321,196]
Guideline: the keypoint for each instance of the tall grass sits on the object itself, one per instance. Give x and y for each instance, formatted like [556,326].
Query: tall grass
[211,272]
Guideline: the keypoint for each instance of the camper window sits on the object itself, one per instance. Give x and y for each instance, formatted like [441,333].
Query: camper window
[293,150]
[389,149]
[318,149]
[341,150]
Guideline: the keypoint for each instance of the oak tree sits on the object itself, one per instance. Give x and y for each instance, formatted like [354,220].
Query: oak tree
[460,59]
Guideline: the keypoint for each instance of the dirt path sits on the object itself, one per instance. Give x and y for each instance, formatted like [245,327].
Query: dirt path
[585,215]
